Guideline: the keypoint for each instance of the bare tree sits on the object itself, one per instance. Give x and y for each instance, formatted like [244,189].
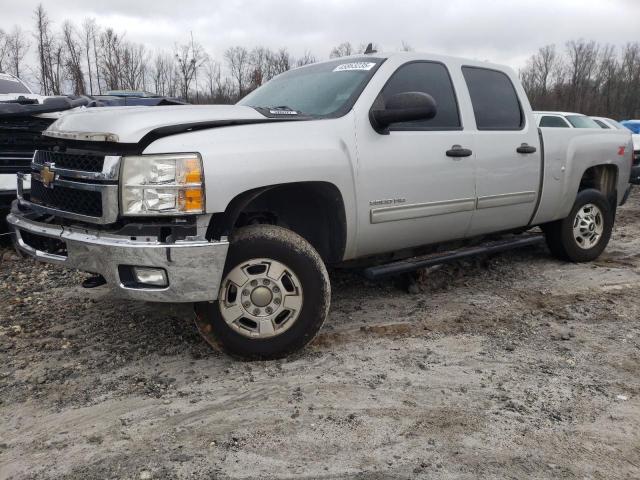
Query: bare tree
[4,50]
[238,62]
[405,47]
[260,62]
[343,50]
[73,58]
[219,89]
[17,47]
[307,58]
[110,62]
[587,77]
[42,36]
[89,31]
[49,54]
[582,62]
[164,74]
[134,66]
[189,59]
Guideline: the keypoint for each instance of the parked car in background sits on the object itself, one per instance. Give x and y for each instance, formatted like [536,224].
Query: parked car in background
[400,160]
[24,115]
[564,120]
[12,89]
[608,123]
[634,126]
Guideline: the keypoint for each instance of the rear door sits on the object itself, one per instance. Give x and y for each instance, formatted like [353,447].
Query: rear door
[507,152]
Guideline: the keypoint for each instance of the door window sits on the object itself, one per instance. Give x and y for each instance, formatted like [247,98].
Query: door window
[427,77]
[495,102]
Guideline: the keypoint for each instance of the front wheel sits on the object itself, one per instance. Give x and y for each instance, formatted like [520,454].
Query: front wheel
[274,295]
[585,233]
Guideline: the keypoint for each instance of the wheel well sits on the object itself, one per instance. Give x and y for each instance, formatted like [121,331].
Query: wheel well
[603,178]
[314,210]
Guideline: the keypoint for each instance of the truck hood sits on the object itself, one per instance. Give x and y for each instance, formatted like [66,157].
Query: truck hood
[131,124]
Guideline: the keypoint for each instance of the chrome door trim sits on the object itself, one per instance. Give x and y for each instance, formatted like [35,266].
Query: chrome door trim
[420,210]
[506,199]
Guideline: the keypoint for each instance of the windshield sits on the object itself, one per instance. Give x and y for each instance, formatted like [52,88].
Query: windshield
[580,121]
[324,89]
[11,86]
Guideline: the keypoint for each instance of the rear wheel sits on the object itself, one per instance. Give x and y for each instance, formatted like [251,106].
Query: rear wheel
[585,233]
[273,298]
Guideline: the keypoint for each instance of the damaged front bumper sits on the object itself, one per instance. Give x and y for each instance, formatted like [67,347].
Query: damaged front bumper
[193,268]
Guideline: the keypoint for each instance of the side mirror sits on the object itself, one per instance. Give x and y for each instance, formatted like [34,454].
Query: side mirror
[404,107]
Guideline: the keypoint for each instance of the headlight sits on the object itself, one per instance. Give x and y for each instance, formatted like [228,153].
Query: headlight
[162,184]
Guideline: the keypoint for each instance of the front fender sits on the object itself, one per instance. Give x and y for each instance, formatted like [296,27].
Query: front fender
[245,158]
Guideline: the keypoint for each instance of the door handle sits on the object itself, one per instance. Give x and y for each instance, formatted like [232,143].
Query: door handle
[524,148]
[458,152]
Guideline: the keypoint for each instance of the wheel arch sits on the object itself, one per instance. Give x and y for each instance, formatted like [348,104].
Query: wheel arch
[313,209]
[604,178]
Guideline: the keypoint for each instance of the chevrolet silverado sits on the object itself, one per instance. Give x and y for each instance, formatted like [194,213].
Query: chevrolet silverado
[393,161]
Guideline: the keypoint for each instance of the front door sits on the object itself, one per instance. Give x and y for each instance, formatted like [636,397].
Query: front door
[415,184]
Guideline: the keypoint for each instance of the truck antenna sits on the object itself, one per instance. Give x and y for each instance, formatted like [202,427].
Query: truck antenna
[370,49]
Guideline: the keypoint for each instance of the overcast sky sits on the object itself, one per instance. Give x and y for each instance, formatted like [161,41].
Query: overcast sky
[503,31]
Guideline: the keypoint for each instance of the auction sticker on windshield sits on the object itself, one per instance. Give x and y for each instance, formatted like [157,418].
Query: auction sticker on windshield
[348,67]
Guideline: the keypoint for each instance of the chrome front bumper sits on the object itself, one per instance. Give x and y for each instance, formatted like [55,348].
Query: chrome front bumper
[194,267]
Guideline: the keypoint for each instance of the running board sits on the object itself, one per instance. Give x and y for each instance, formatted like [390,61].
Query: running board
[414,263]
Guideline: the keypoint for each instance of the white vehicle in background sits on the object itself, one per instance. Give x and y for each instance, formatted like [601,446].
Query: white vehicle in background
[564,120]
[12,89]
[608,123]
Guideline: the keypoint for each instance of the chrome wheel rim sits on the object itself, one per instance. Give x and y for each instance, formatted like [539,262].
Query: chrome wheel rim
[260,298]
[588,226]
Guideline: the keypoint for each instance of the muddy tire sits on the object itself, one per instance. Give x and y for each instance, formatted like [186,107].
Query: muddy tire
[585,233]
[274,295]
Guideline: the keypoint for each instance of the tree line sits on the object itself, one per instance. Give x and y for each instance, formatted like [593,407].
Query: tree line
[86,58]
[585,77]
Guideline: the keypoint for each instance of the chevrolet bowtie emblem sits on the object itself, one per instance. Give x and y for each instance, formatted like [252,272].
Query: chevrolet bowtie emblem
[47,176]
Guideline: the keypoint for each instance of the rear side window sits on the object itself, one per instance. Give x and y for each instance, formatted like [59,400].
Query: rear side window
[602,124]
[427,77]
[495,101]
[553,122]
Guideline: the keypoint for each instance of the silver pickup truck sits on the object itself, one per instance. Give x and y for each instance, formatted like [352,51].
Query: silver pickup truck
[380,158]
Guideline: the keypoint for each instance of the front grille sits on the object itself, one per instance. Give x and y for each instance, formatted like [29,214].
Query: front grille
[83,202]
[53,246]
[14,162]
[71,161]
[19,137]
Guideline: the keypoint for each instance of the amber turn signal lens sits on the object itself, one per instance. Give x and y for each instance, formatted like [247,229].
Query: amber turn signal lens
[193,171]
[191,200]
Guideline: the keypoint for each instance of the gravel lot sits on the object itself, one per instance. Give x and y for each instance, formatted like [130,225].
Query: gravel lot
[507,367]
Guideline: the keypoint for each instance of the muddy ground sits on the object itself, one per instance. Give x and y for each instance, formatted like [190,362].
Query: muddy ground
[514,366]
